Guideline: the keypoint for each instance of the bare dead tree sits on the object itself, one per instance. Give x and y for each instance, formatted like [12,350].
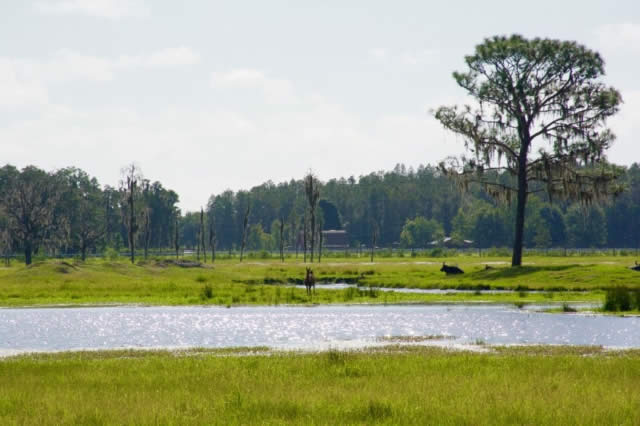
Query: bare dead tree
[129,187]
[202,236]
[245,227]
[198,246]
[374,235]
[146,217]
[313,195]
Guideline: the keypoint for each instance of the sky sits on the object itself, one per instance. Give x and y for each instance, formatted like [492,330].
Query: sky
[207,95]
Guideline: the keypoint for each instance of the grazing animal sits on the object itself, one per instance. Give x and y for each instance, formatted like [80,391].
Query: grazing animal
[310,281]
[450,270]
[636,268]
[487,267]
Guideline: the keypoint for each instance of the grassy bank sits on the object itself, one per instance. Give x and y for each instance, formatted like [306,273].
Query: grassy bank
[401,385]
[267,282]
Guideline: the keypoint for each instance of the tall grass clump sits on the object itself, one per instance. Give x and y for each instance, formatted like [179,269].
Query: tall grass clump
[207,292]
[621,299]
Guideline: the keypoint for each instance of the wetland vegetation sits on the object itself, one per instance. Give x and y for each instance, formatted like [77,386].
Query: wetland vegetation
[270,282]
[392,385]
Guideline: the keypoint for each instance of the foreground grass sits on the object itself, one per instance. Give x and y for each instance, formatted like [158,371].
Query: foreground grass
[265,283]
[400,385]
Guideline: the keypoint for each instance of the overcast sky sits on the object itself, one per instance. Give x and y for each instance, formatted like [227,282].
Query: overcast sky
[209,95]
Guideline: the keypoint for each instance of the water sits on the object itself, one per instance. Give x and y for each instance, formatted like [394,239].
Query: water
[55,329]
[342,286]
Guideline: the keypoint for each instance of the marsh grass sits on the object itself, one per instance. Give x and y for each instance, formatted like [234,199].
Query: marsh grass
[392,385]
[169,282]
[621,299]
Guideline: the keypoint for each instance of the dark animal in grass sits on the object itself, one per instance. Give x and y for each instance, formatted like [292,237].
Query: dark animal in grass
[450,270]
[487,267]
[635,268]
[310,281]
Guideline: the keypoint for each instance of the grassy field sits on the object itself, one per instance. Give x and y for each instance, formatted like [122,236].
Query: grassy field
[268,282]
[397,385]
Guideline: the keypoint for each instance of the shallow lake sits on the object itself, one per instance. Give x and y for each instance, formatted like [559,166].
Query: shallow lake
[55,329]
[342,286]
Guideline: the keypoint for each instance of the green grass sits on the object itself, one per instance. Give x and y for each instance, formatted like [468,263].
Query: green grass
[396,385]
[264,283]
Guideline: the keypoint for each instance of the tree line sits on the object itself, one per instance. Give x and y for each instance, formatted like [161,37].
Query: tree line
[69,212]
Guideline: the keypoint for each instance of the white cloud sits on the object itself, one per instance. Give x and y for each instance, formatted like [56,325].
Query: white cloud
[378,53]
[24,82]
[626,126]
[418,57]
[275,90]
[112,9]
[621,37]
[278,144]
[407,57]
[174,56]
[18,91]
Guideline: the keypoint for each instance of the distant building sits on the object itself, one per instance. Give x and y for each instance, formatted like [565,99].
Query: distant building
[450,242]
[332,239]
[335,239]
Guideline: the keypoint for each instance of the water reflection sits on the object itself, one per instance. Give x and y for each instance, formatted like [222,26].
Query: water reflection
[300,327]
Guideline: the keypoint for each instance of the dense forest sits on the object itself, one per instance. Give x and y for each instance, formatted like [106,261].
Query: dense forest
[69,212]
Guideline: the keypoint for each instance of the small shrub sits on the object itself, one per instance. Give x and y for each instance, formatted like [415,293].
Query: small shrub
[111,254]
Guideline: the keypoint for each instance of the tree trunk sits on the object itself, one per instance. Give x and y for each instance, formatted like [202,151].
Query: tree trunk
[83,250]
[202,236]
[27,253]
[132,247]
[198,247]
[516,259]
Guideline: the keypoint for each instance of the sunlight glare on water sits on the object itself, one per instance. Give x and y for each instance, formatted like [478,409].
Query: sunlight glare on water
[53,329]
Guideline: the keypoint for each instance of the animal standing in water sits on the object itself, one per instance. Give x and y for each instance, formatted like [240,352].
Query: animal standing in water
[450,270]
[310,281]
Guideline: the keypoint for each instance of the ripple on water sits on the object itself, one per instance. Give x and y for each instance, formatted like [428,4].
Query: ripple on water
[300,327]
